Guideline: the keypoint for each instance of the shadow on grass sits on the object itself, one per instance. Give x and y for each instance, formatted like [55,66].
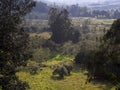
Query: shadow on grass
[103,84]
[106,85]
[57,77]
[77,68]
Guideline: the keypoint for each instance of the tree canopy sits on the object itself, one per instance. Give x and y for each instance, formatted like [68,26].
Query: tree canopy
[104,63]
[61,27]
[13,42]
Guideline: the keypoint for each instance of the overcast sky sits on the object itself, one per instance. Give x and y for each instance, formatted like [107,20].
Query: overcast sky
[72,1]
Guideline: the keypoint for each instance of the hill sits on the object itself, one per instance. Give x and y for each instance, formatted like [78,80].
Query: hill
[107,5]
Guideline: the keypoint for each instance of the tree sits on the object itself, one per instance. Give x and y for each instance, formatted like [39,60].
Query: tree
[112,44]
[62,29]
[13,42]
[106,60]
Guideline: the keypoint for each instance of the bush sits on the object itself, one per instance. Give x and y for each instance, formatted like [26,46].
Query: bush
[63,69]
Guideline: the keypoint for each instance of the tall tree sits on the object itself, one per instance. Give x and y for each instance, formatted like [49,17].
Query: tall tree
[104,63]
[106,59]
[61,26]
[13,41]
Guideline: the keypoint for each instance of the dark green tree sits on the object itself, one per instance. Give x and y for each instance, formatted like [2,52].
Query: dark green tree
[104,63]
[112,47]
[62,29]
[13,42]
[106,60]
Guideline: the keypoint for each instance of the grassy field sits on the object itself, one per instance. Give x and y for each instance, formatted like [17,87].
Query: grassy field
[76,81]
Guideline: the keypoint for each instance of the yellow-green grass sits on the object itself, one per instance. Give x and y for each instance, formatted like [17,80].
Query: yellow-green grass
[76,81]
[43,81]
[45,35]
[58,59]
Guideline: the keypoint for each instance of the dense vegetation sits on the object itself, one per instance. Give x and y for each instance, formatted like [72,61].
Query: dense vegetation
[65,32]
[96,52]
[103,63]
[60,53]
[13,42]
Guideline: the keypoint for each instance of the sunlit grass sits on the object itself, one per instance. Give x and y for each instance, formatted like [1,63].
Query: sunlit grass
[43,81]
[76,81]
[45,35]
[58,59]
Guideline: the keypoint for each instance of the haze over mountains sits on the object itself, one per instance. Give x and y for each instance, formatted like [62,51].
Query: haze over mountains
[81,2]
[93,8]
[106,5]
[93,4]
[69,2]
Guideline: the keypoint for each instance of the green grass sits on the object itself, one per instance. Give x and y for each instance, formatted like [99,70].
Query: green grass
[58,59]
[43,81]
[76,81]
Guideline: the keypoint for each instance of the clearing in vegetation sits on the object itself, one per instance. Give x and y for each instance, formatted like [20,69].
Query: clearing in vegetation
[76,81]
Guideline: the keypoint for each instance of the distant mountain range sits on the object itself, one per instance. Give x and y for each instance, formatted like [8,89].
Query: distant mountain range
[70,2]
[93,4]
[106,9]
[109,4]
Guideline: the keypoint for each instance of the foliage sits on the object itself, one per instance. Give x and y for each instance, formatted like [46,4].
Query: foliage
[63,69]
[43,48]
[39,51]
[103,63]
[41,54]
[61,27]
[13,42]
[69,49]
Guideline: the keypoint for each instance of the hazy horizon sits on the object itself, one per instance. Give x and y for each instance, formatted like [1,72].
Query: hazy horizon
[73,1]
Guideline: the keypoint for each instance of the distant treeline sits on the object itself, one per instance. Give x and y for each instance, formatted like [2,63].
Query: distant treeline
[77,11]
[41,12]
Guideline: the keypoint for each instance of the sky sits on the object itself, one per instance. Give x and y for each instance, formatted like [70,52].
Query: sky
[72,1]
